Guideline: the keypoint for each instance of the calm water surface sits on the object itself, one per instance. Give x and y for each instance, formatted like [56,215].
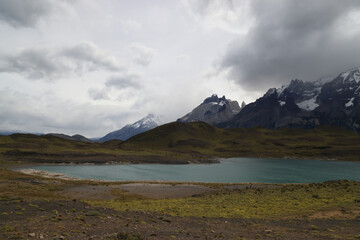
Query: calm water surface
[229,170]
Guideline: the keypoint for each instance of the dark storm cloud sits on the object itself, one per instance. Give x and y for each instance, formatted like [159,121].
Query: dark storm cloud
[26,13]
[124,81]
[294,39]
[45,63]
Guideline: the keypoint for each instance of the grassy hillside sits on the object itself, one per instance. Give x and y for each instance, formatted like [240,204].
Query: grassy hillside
[199,138]
[52,149]
[181,142]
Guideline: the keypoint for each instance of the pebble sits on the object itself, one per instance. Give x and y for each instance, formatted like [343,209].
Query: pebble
[31,235]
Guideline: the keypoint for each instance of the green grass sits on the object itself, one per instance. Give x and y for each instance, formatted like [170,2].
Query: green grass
[289,200]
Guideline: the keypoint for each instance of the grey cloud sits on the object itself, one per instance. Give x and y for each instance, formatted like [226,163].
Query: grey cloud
[45,63]
[93,56]
[203,7]
[124,81]
[34,64]
[143,55]
[26,13]
[293,39]
[98,94]
[228,15]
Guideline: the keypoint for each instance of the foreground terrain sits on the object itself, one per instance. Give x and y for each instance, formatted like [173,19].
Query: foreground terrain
[33,207]
[39,207]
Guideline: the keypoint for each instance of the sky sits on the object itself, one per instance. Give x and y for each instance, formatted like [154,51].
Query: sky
[92,66]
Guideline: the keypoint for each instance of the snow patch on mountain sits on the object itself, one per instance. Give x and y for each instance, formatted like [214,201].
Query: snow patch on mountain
[350,103]
[309,104]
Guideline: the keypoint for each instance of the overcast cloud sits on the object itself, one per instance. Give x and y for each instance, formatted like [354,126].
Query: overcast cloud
[91,67]
[124,81]
[143,54]
[295,39]
[49,64]
[20,13]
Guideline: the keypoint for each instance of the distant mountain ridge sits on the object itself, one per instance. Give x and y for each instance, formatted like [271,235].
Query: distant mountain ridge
[302,104]
[213,110]
[6,132]
[76,137]
[149,122]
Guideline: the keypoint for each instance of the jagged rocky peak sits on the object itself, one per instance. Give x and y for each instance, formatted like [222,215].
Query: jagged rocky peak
[213,110]
[215,99]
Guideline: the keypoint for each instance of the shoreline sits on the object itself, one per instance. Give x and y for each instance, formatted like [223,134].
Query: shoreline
[46,174]
[61,176]
[27,169]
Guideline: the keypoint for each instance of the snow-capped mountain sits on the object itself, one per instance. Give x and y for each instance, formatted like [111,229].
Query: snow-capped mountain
[213,110]
[149,122]
[304,104]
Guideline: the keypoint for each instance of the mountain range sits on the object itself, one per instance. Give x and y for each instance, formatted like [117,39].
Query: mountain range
[304,104]
[149,122]
[332,100]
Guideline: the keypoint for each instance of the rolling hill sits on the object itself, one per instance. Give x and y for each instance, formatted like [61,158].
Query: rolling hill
[198,138]
[189,142]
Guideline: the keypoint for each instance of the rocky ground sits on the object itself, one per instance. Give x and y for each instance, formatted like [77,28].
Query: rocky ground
[32,207]
[21,219]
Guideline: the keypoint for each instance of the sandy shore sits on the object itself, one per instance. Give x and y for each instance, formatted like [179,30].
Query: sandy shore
[46,174]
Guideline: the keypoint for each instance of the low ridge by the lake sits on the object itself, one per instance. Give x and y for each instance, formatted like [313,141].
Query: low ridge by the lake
[233,170]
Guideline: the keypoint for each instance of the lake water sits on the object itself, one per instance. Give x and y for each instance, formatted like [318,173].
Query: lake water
[228,171]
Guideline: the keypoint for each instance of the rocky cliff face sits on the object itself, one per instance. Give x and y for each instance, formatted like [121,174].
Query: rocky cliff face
[301,104]
[213,110]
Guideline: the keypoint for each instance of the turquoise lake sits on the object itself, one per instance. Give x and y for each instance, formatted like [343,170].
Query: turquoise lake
[228,171]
